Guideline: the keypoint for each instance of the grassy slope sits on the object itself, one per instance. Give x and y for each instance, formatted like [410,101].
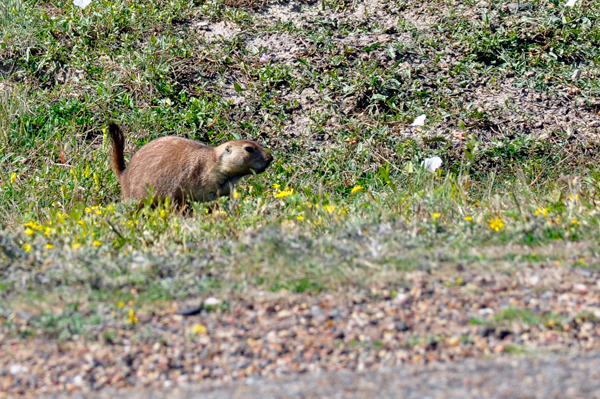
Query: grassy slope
[516,189]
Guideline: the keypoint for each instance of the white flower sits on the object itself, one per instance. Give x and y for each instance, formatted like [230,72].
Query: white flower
[212,301]
[264,58]
[570,3]
[419,120]
[82,3]
[432,164]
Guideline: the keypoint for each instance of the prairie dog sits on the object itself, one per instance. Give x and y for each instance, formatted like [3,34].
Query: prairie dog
[183,169]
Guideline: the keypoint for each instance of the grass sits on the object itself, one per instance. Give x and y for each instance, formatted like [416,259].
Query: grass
[345,202]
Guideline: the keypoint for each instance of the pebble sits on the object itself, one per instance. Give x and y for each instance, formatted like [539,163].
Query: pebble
[212,301]
[581,289]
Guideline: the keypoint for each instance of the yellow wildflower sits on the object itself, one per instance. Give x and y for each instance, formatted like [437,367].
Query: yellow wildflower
[576,222]
[27,247]
[132,318]
[542,212]
[436,215]
[97,179]
[356,189]
[75,245]
[199,329]
[28,231]
[49,231]
[496,224]
[276,185]
[49,246]
[300,217]
[236,194]
[121,304]
[96,243]
[13,177]
[469,218]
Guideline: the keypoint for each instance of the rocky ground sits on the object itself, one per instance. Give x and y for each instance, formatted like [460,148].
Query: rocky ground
[518,377]
[442,317]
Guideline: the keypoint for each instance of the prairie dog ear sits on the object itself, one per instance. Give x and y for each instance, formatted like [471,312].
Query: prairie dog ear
[228,149]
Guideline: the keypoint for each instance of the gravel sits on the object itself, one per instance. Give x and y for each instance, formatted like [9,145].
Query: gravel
[566,376]
[436,318]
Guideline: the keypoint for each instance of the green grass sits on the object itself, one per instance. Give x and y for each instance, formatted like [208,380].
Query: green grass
[360,210]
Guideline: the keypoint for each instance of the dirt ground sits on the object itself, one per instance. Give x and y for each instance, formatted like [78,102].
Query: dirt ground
[440,318]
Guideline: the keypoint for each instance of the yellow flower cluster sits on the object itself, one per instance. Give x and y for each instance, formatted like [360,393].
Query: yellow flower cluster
[97,209]
[285,193]
[31,227]
[496,224]
[132,318]
[356,189]
[334,209]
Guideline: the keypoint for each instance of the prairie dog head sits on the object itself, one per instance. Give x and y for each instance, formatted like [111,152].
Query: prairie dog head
[242,157]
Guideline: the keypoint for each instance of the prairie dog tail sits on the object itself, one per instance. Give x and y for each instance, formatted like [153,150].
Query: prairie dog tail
[118,145]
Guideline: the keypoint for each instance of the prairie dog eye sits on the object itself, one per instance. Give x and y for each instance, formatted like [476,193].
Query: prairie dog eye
[249,149]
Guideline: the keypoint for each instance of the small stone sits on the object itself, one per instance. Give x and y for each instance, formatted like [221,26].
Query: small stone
[454,341]
[576,74]
[212,301]
[189,311]
[594,123]
[518,6]
[316,311]
[16,369]
[284,314]
[401,299]
[581,289]
[486,331]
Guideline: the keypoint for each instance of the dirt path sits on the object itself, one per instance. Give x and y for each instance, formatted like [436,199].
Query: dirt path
[514,377]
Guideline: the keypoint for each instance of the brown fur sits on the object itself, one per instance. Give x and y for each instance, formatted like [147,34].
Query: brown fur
[183,169]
